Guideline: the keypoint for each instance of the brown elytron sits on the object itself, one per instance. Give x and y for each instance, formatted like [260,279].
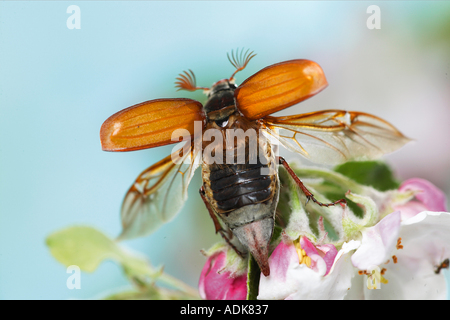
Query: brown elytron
[239,166]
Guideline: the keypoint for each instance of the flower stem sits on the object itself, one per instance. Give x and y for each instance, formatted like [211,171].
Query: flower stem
[330,176]
[178,284]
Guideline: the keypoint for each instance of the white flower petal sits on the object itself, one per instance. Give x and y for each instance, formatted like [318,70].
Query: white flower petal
[287,275]
[426,243]
[426,236]
[356,291]
[333,286]
[409,279]
[291,280]
[377,242]
[346,247]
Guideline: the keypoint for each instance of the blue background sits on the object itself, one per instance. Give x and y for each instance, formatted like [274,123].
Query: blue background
[57,86]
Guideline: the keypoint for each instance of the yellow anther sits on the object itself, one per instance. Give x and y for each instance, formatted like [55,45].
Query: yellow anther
[308,261]
[302,257]
[299,250]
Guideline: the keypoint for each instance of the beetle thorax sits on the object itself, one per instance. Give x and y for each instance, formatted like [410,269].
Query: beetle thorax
[220,97]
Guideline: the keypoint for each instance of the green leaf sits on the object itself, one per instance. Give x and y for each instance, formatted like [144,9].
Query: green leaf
[87,247]
[370,173]
[253,276]
[82,246]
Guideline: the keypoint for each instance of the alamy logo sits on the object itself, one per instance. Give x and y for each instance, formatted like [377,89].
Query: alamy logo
[74,21]
[374,20]
[74,280]
[229,146]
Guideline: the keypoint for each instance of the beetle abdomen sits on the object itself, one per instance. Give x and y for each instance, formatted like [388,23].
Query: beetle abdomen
[250,178]
[237,185]
[243,194]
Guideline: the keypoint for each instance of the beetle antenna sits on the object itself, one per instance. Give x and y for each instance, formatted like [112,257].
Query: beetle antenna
[187,81]
[240,61]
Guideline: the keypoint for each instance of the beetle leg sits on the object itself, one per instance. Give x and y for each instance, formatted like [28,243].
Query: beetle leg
[308,194]
[227,235]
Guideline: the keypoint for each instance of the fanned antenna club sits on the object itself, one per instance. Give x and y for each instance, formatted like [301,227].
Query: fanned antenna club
[240,61]
[187,81]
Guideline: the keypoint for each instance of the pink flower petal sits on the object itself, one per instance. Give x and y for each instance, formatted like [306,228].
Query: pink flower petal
[325,253]
[291,280]
[330,254]
[280,259]
[220,286]
[307,245]
[431,196]
[311,251]
[410,209]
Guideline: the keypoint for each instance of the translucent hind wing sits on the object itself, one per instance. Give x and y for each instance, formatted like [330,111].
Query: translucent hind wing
[335,136]
[158,194]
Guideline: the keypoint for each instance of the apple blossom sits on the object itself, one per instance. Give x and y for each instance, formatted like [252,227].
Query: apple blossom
[390,249]
[427,197]
[216,283]
[302,270]
[408,264]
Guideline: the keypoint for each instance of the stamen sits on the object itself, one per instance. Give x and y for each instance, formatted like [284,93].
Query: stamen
[308,261]
[302,257]
[299,250]
[399,244]
[394,258]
